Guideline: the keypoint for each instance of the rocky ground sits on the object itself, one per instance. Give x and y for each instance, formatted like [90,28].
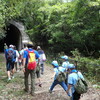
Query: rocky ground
[13,90]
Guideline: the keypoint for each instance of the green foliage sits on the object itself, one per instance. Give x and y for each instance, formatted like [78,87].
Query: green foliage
[90,67]
[54,23]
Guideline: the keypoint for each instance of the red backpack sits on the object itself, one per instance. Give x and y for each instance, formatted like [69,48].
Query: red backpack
[31,60]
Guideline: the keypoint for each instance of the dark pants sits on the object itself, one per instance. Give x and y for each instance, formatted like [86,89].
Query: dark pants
[26,81]
[76,96]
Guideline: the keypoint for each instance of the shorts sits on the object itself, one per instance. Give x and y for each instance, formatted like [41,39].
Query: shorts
[9,65]
[20,63]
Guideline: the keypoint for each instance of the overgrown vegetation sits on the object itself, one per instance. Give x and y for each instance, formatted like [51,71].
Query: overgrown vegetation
[60,26]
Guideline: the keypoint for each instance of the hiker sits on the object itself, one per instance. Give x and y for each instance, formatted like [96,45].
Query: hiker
[38,75]
[20,60]
[29,69]
[72,79]
[55,82]
[65,62]
[5,47]
[42,59]
[10,56]
[16,61]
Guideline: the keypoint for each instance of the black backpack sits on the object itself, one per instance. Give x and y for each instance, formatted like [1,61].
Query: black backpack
[10,55]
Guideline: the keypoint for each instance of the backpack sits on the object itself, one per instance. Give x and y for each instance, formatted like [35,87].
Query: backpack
[81,86]
[43,57]
[37,68]
[31,61]
[10,54]
[61,76]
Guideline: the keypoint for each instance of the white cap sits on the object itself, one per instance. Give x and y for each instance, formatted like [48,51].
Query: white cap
[64,57]
[38,47]
[11,46]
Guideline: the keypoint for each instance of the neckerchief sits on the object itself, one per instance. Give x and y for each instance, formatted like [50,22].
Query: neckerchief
[74,71]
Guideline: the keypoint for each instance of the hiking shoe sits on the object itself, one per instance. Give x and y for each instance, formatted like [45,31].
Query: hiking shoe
[50,91]
[32,94]
[13,77]
[9,79]
[40,85]
[26,90]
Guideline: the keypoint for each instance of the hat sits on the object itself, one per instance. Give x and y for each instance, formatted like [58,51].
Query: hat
[11,46]
[71,66]
[38,47]
[30,44]
[64,57]
[55,63]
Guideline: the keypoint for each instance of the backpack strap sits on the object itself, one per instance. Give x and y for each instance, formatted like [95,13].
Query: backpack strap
[29,52]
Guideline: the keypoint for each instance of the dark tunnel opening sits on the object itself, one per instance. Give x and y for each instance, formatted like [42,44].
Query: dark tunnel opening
[13,36]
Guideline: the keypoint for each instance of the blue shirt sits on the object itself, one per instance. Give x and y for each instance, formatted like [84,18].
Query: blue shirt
[65,65]
[40,52]
[25,55]
[73,77]
[6,51]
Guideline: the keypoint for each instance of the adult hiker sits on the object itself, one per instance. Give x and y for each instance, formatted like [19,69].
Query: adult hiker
[5,47]
[29,63]
[10,56]
[72,79]
[42,59]
[16,64]
[38,75]
[55,82]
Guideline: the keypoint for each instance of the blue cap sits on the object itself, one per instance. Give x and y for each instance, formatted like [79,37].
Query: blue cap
[65,57]
[55,63]
[71,66]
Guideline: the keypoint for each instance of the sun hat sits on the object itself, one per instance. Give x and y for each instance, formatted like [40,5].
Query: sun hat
[55,63]
[65,57]
[71,66]
[38,47]
[30,44]
[11,46]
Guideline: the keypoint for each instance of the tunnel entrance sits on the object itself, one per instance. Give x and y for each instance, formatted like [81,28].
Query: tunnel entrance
[13,36]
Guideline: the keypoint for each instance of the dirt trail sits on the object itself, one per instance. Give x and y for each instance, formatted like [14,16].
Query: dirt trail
[14,90]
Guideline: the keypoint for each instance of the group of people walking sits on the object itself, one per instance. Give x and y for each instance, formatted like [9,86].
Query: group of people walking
[40,58]
[19,60]
[71,79]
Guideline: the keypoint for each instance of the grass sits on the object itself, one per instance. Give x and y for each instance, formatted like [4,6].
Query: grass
[13,87]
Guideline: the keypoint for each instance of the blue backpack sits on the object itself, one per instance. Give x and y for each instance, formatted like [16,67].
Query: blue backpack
[10,54]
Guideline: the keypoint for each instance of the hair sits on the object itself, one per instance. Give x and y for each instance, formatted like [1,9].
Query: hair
[29,45]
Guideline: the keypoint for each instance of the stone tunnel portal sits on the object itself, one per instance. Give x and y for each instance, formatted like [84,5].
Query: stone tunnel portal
[13,36]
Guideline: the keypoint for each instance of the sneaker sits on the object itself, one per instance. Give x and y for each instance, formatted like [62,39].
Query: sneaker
[9,79]
[26,90]
[32,94]
[40,85]
[13,77]
[50,91]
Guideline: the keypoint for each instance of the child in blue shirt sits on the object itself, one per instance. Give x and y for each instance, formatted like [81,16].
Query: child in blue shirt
[55,82]
[65,62]
[72,79]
